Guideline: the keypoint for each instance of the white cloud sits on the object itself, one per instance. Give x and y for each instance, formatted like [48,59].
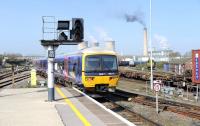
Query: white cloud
[103,35]
[90,37]
[162,41]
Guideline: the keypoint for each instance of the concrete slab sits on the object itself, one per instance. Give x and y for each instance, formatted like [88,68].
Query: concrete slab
[27,107]
[68,116]
[94,114]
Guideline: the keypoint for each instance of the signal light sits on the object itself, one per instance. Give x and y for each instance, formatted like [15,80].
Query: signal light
[77,32]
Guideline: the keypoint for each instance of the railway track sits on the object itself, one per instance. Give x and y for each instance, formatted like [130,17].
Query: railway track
[8,73]
[17,79]
[5,75]
[145,75]
[188,110]
[137,119]
[4,71]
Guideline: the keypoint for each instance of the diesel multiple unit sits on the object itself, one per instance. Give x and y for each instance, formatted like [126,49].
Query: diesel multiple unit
[92,69]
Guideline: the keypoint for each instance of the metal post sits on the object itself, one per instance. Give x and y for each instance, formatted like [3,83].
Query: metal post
[156,102]
[50,77]
[197,92]
[146,86]
[151,49]
[13,76]
[187,93]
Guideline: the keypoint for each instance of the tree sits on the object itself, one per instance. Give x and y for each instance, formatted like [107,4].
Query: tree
[174,54]
[188,54]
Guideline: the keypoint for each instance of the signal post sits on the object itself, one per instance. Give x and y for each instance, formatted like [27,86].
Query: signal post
[51,56]
[76,35]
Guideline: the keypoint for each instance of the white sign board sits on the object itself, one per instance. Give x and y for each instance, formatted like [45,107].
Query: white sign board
[156,87]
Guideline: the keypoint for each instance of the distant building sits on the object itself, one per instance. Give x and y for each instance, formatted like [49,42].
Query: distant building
[161,55]
[178,66]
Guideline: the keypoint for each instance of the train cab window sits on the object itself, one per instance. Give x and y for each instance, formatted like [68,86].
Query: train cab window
[93,63]
[109,63]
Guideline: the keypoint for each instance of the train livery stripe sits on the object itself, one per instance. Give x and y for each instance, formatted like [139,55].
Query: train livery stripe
[75,110]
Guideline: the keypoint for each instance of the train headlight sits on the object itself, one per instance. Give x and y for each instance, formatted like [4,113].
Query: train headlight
[89,78]
[113,78]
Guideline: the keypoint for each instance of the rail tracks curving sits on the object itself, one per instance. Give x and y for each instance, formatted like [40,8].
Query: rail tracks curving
[188,110]
[136,118]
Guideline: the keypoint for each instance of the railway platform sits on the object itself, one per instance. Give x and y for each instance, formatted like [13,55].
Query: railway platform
[28,106]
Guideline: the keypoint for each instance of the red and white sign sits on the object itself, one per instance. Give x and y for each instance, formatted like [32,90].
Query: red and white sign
[157,85]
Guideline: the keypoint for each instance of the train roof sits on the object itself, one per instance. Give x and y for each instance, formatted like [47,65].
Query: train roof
[97,50]
[89,50]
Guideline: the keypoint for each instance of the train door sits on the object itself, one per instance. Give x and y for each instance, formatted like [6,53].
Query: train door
[79,70]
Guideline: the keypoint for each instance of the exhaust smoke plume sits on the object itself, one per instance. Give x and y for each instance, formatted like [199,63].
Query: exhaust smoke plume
[136,17]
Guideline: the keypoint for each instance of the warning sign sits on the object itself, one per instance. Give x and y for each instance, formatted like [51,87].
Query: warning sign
[157,85]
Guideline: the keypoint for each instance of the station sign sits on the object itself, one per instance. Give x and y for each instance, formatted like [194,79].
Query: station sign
[196,66]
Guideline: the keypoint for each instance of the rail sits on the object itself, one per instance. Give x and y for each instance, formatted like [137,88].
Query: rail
[17,79]
[164,105]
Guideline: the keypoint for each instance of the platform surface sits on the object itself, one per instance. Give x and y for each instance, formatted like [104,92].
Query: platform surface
[93,114]
[28,107]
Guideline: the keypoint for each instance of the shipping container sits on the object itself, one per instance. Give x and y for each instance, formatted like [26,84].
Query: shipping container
[196,66]
[166,67]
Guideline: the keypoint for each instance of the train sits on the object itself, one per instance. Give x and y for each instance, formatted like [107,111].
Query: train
[92,69]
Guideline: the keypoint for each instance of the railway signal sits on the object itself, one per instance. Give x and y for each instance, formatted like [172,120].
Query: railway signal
[77,32]
[63,25]
[62,32]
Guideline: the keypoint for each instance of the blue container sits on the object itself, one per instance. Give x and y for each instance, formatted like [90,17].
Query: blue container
[166,67]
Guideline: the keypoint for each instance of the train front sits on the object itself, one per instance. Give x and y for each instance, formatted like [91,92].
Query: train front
[100,72]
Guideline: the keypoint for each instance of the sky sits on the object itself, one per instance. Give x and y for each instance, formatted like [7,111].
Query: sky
[175,24]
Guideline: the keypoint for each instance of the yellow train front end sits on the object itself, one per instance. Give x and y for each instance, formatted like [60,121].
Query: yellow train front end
[100,72]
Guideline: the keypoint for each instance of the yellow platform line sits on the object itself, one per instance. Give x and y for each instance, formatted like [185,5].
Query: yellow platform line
[75,110]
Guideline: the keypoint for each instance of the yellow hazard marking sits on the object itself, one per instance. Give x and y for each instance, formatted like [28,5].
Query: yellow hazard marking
[33,77]
[75,110]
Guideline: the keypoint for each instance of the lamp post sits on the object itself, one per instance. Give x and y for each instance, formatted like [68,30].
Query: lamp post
[151,78]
